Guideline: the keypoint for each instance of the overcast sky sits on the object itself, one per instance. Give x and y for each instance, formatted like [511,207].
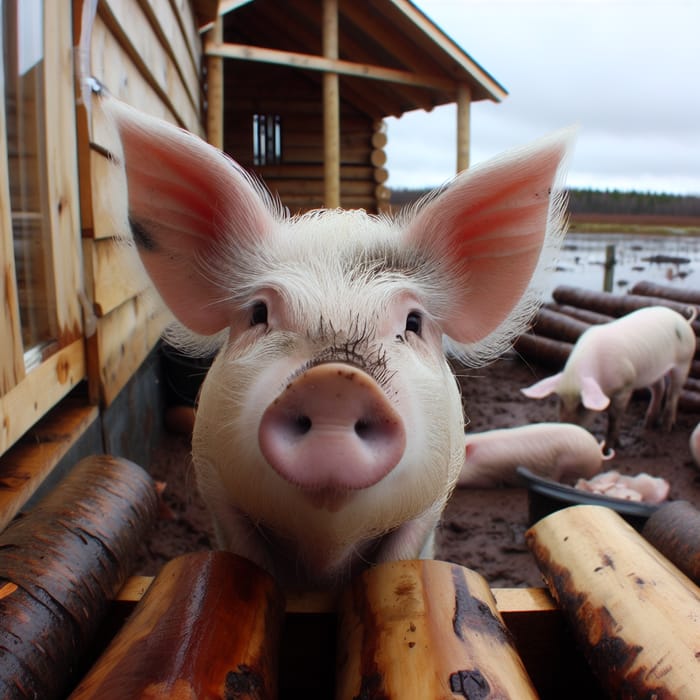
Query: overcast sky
[626,71]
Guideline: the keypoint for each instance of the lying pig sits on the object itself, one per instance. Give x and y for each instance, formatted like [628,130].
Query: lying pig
[329,431]
[694,444]
[651,347]
[559,451]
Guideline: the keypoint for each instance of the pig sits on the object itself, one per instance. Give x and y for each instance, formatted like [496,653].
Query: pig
[694,445]
[650,347]
[329,430]
[559,451]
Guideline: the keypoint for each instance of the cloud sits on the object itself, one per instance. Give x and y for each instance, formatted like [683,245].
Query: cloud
[625,71]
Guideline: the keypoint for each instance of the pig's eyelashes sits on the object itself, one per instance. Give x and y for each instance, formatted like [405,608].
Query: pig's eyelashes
[258,313]
[414,323]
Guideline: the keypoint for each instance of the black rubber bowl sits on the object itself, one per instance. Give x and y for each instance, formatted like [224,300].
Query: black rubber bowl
[546,496]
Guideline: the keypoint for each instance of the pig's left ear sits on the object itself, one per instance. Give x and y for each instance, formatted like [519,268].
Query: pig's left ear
[486,233]
[189,206]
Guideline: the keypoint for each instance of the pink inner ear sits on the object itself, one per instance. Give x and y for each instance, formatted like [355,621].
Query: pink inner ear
[592,396]
[191,205]
[490,226]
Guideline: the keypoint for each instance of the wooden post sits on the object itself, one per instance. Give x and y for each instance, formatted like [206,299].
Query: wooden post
[215,89]
[331,108]
[463,126]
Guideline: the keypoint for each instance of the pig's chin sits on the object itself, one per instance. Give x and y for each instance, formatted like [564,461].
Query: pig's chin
[316,565]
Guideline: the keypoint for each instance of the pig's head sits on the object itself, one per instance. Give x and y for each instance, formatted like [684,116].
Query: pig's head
[579,396]
[329,430]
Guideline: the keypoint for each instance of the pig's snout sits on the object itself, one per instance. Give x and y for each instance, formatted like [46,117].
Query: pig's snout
[332,428]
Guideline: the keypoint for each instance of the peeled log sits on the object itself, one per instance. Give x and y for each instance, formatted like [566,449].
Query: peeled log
[664,291]
[674,529]
[615,304]
[585,315]
[634,614]
[559,326]
[208,627]
[61,565]
[544,351]
[425,629]
[689,401]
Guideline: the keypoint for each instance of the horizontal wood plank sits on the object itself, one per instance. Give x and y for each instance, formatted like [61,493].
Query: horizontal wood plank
[40,390]
[326,65]
[124,338]
[132,29]
[113,275]
[168,24]
[25,466]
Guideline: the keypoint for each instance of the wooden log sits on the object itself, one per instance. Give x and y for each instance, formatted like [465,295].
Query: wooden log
[544,351]
[674,529]
[61,564]
[634,614]
[692,384]
[208,627]
[615,304]
[378,158]
[584,315]
[425,629]
[553,324]
[689,401]
[665,291]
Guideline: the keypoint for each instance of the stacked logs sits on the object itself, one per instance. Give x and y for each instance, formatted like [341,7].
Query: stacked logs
[559,324]
[214,625]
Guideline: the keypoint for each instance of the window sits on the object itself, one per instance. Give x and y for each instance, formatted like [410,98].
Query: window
[23,60]
[267,139]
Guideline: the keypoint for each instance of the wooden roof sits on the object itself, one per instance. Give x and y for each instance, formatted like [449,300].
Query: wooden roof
[391,57]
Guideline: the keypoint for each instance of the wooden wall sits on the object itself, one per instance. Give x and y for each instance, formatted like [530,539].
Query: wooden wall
[147,54]
[25,396]
[97,324]
[254,88]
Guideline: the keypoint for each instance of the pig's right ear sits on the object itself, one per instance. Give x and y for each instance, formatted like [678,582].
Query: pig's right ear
[189,205]
[486,234]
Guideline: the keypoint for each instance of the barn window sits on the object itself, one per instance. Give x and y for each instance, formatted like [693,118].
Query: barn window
[267,139]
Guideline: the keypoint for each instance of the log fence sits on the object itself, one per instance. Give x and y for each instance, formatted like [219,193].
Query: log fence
[618,616]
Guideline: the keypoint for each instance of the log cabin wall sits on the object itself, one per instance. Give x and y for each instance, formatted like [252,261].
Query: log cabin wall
[75,330]
[281,139]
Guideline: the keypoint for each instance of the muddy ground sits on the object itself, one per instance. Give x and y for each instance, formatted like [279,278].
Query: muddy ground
[481,529]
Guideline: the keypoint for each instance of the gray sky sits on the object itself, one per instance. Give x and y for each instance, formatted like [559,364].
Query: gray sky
[627,72]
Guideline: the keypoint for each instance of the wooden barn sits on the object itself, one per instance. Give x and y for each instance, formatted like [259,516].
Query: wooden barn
[298,96]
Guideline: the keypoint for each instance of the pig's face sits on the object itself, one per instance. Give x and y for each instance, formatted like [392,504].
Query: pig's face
[329,431]
[350,316]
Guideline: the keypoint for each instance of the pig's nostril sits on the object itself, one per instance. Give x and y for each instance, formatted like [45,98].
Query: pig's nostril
[362,428]
[303,425]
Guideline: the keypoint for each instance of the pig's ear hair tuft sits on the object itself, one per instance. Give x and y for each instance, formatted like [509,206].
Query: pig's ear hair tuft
[189,209]
[491,234]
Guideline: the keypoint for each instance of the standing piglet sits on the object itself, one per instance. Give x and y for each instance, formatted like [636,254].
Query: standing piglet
[329,431]
[559,451]
[651,347]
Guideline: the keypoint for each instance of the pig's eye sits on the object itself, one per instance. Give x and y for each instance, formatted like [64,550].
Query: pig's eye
[414,323]
[259,313]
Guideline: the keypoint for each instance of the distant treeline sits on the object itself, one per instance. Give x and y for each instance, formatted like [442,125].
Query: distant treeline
[608,202]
